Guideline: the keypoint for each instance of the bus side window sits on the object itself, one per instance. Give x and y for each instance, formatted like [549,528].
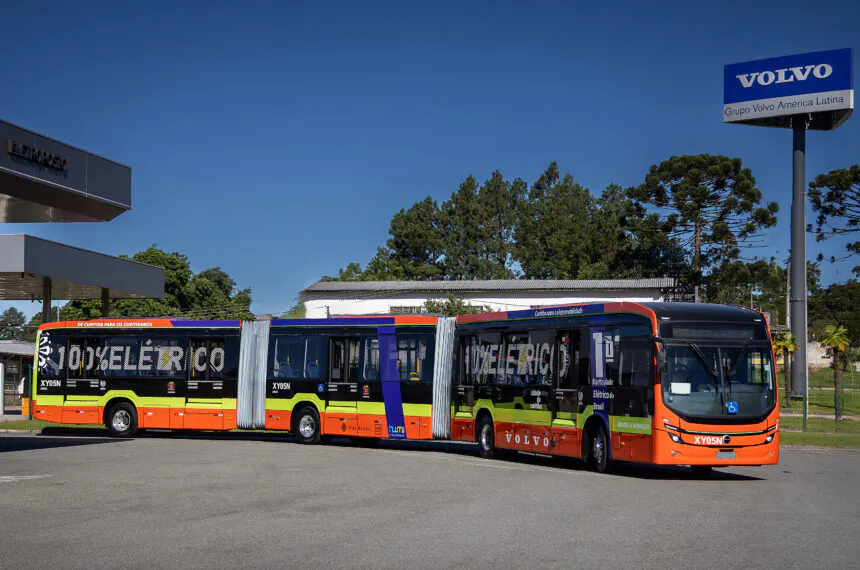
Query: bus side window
[568,359]
[354,357]
[52,355]
[542,345]
[486,353]
[584,369]
[82,357]
[465,360]
[415,357]
[370,369]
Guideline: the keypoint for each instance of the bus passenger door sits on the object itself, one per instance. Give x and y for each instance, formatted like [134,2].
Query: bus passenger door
[340,416]
[84,389]
[370,406]
[463,392]
[565,400]
[203,405]
[632,407]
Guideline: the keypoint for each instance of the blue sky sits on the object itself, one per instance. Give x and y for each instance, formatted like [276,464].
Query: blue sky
[277,139]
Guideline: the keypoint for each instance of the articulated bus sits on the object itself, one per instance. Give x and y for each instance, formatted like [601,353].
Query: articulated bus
[659,383]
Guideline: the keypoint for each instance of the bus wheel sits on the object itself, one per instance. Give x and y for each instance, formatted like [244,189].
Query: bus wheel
[598,456]
[701,471]
[122,420]
[486,438]
[306,426]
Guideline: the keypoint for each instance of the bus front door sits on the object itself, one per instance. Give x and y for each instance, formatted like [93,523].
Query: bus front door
[341,414]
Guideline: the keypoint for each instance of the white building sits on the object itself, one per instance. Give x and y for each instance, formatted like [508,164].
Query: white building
[332,298]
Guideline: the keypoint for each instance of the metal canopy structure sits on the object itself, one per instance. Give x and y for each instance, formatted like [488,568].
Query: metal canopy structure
[44,180]
[32,269]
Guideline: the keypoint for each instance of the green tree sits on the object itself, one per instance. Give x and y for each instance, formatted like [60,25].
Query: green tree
[787,344]
[835,339]
[220,279]
[352,272]
[452,306]
[12,324]
[32,326]
[297,311]
[416,242]
[710,204]
[210,294]
[554,236]
[477,226]
[835,197]
[836,304]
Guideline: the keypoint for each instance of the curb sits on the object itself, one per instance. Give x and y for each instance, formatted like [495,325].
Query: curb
[32,431]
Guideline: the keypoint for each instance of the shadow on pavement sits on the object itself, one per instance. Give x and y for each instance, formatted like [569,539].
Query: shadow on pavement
[9,444]
[630,470]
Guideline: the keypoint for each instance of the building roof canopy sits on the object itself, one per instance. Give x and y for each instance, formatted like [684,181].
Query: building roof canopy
[45,180]
[75,273]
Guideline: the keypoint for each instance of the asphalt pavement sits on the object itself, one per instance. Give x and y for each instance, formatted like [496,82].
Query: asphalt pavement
[78,501]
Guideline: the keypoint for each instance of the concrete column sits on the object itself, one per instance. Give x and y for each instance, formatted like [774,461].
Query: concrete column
[2,389]
[105,302]
[46,299]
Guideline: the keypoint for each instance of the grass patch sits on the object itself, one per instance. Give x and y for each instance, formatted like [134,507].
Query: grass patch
[39,424]
[820,431]
[820,425]
[820,439]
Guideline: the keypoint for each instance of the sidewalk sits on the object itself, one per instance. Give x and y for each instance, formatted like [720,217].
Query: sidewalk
[12,414]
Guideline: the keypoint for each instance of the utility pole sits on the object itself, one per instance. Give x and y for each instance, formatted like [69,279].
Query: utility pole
[788,296]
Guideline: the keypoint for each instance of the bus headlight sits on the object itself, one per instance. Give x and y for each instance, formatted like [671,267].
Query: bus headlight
[675,438]
[768,439]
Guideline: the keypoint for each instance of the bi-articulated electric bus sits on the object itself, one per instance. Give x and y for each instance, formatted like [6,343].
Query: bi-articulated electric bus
[660,383]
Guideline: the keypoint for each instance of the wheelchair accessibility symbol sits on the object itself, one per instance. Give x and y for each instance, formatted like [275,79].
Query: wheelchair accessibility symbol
[732,407]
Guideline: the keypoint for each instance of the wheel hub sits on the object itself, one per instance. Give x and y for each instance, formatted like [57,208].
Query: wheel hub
[307,426]
[598,450]
[121,420]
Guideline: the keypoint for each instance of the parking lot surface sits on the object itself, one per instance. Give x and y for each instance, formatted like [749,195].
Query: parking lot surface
[75,501]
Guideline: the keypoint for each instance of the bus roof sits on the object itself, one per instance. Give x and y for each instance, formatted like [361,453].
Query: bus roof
[655,311]
[163,323]
[370,320]
[133,323]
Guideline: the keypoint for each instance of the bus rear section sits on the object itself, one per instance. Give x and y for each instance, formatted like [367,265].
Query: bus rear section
[376,377]
[599,382]
[371,377]
[138,373]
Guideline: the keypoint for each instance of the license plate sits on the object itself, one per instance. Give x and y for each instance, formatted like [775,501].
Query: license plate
[726,455]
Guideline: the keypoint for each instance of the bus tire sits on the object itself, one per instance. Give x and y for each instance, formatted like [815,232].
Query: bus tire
[121,420]
[598,451]
[487,438]
[701,471]
[306,426]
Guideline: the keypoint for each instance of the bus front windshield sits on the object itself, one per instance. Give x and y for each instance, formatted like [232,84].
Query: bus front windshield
[719,381]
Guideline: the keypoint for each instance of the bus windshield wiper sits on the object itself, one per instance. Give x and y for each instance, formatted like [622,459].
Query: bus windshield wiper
[733,369]
[708,367]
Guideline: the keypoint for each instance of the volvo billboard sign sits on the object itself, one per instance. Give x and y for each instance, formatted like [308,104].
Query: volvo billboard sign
[800,92]
[767,92]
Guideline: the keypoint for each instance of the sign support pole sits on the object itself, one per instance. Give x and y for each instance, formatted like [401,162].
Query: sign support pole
[800,370]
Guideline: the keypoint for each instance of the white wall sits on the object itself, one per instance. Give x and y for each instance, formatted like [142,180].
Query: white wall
[320,307]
